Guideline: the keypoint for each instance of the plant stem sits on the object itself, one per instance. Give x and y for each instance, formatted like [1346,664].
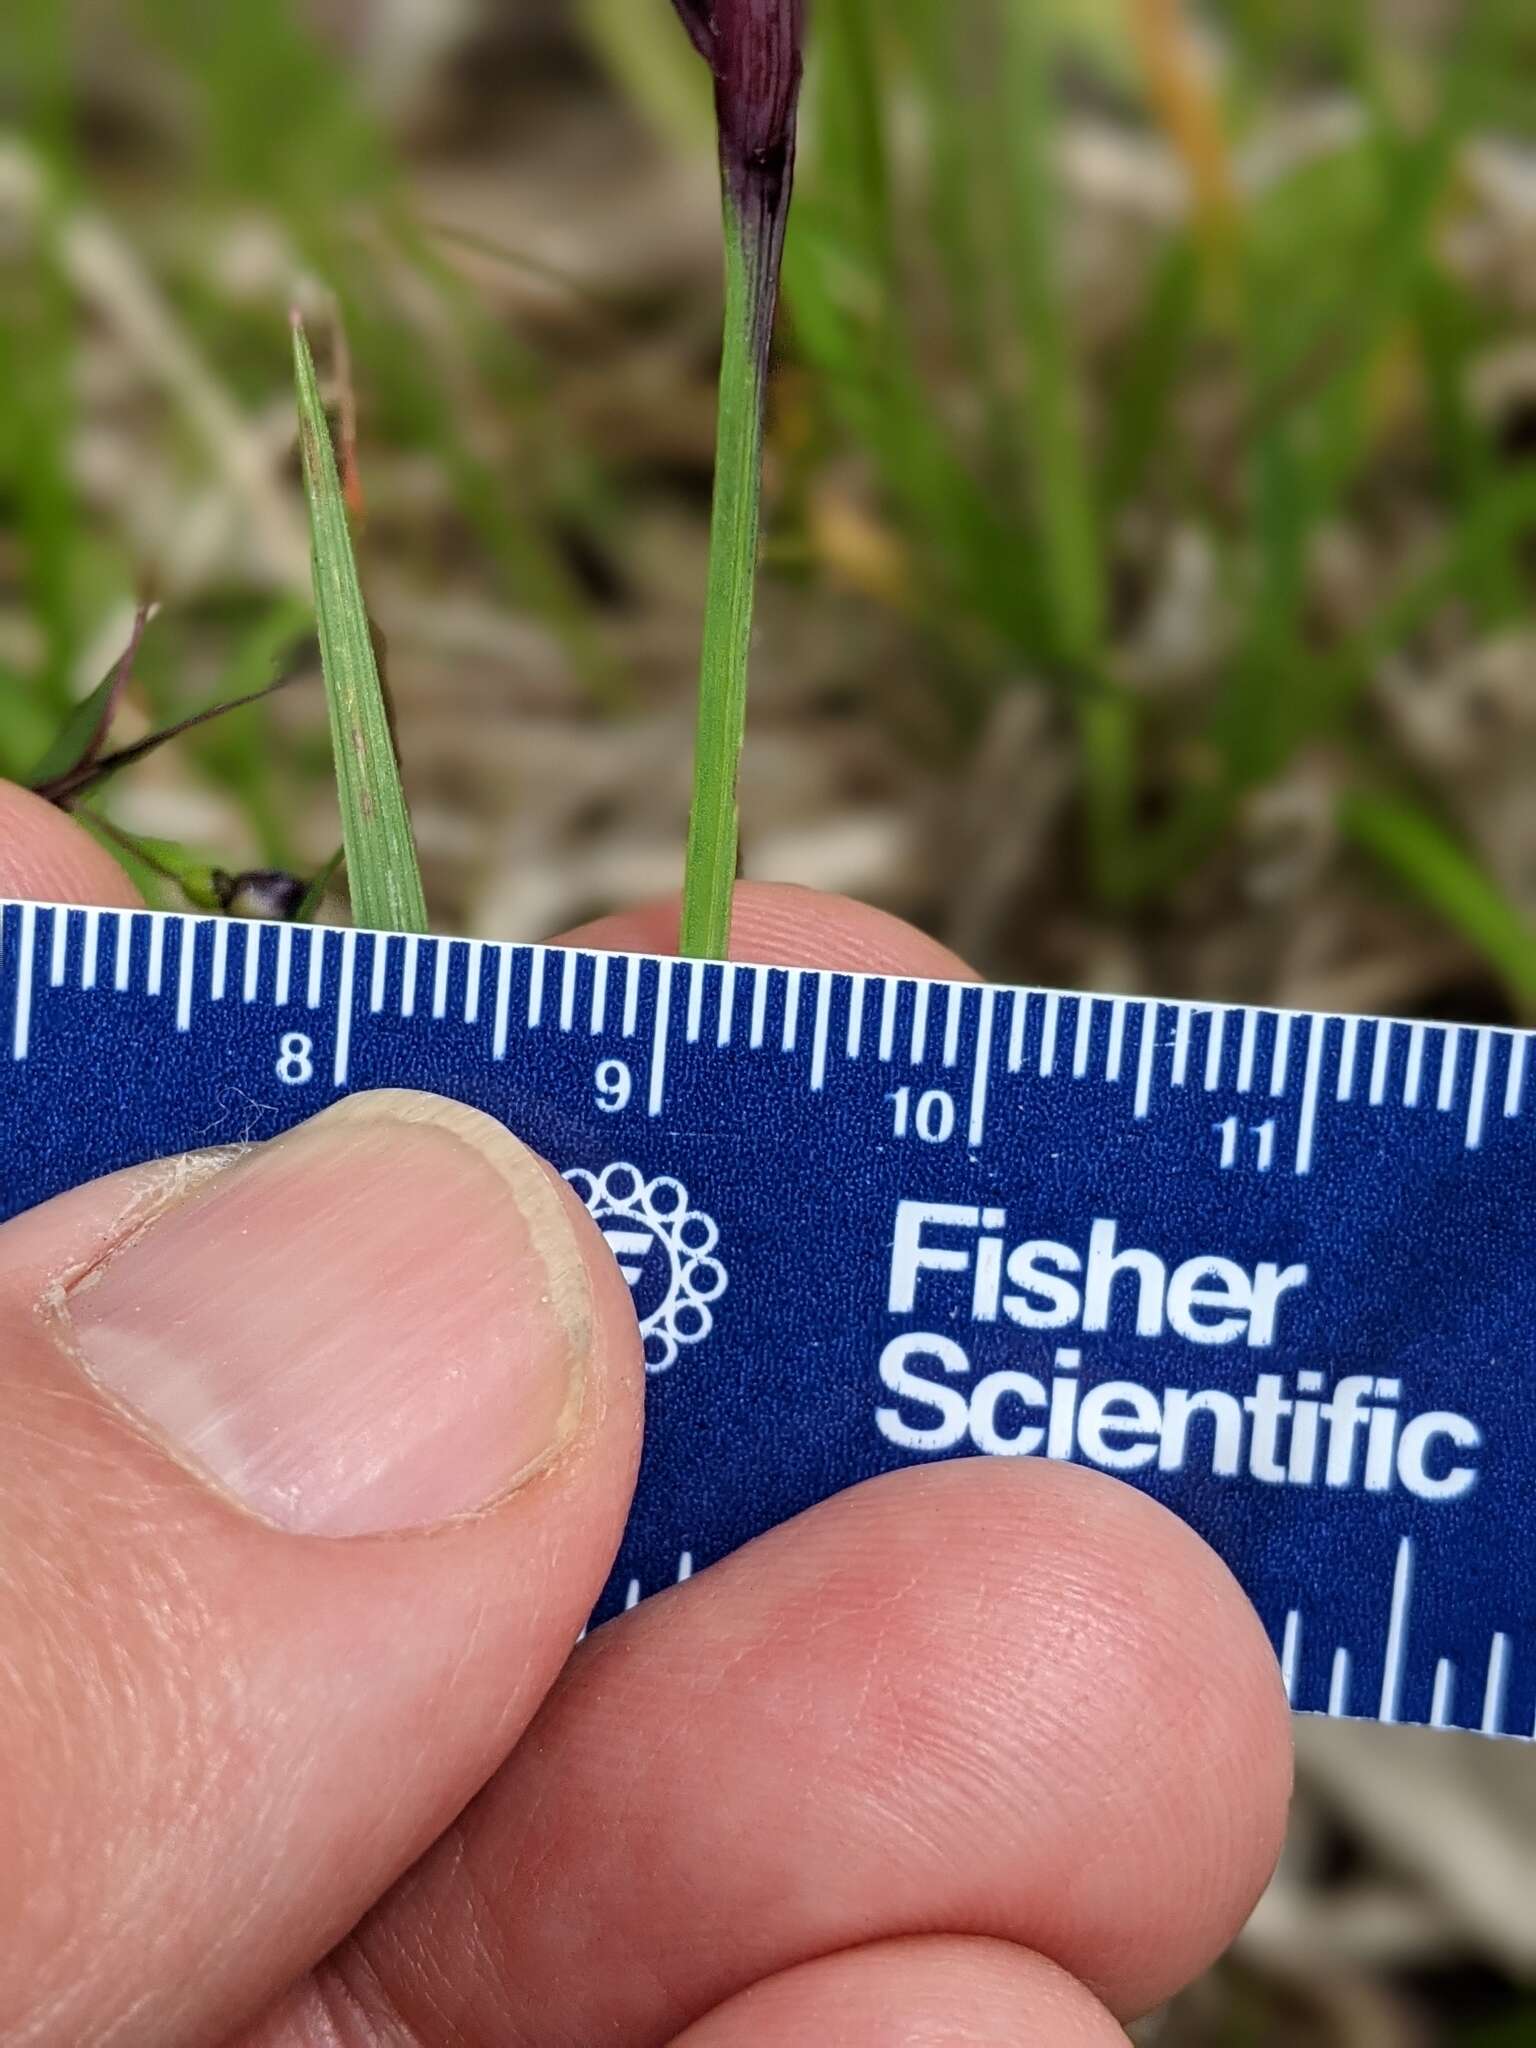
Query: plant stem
[751,251]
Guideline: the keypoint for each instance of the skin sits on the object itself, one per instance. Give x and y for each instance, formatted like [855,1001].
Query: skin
[993,1752]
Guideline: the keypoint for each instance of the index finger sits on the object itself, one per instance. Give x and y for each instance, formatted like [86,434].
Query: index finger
[46,857]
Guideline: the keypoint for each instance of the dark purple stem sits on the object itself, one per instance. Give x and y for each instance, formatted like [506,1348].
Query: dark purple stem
[753,47]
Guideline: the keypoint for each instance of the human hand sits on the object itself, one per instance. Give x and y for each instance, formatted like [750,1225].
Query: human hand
[312,1464]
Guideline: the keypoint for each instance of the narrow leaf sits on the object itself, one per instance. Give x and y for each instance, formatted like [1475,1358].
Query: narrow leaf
[376,827]
[84,732]
[700,26]
[308,905]
[1445,877]
[70,787]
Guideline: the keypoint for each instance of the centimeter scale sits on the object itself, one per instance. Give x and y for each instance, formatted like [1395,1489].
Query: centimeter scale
[1276,1269]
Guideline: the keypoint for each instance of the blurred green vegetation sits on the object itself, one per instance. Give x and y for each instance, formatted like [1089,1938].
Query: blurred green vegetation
[936,267]
[932,332]
[265,131]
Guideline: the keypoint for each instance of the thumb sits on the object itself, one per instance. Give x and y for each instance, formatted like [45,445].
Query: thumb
[312,1462]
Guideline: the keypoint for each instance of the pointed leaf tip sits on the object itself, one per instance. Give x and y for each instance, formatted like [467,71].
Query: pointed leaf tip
[756,50]
[376,826]
[79,745]
[697,19]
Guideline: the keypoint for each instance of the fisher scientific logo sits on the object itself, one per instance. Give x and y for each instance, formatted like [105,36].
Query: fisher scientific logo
[1306,1424]
[666,1251]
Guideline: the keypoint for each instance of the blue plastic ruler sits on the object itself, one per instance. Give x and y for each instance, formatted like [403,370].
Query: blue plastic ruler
[1278,1270]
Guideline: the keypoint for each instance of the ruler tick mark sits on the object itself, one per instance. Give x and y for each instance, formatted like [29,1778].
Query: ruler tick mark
[21,1036]
[659,1037]
[1414,1074]
[59,951]
[1183,1023]
[155,972]
[1478,1101]
[1442,1704]
[855,1016]
[442,956]
[1216,1031]
[284,964]
[1280,1065]
[631,996]
[1018,1028]
[1450,1055]
[186,963]
[568,992]
[1084,1039]
[792,980]
[727,1014]
[1146,1053]
[1381,1057]
[888,1020]
[819,1032]
[408,975]
[88,951]
[1494,1690]
[981,1070]
[1397,1632]
[474,961]
[920,1023]
[1290,1653]
[1049,1027]
[1338,1689]
[317,938]
[1247,1050]
[378,979]
[122,952]
[1116,1050]
[759,1023]
[1514,1082]
[218,973]
[954,1010]
[1317,1035]
[344,1008]
[599,993]
[251,981]
[503,1002]
[1348,1048]
[695,1000]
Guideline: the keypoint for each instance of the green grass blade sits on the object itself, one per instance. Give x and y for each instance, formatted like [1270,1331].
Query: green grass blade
[1063,489]
[1140,426]
[382,869]
[1066,508]
[1446,877]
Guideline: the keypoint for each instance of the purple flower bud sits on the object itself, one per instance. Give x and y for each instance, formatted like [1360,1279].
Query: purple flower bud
[754,49]
[260,892]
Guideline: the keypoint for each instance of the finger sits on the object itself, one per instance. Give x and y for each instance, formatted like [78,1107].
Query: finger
[774,925]
[312,1463]
[914,1994]
[992,1698]
[47,857]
